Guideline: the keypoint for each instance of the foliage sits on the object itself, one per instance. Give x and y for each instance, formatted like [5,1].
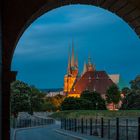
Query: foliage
[88,100]
[36,99]
[19,97]
[135,84]
[125,91]
[84,104]
[53,103]
[24,98]
[48,106]
[71,103]
[57,101]
[98,103]
[132,99]
[113,95]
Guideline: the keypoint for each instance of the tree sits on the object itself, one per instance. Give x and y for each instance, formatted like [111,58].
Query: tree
[98,103]
[132,99]
[20,100]
[84,104]
[57,101]
[135,84]
[113,95]
[125,91]
[25,98]
[54,103]
[36,100]
[48,106]
[71,103]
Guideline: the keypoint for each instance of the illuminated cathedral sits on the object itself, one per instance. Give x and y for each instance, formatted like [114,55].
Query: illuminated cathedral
[90,79]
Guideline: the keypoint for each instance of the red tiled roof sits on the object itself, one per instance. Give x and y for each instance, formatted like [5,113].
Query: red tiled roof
[93,81]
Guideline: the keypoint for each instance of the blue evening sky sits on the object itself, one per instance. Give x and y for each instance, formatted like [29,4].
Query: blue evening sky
[42,52]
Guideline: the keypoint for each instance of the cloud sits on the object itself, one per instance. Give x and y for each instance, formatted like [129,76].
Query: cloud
[76,21]
[43,48]
[55,21]
[41,35]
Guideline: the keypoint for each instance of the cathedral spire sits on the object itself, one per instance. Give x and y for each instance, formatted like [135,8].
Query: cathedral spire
[72,59]
[90,65]
[69,63]
[76,61]
[89,60]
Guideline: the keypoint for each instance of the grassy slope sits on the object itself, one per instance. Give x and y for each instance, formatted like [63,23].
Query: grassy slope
[93,113]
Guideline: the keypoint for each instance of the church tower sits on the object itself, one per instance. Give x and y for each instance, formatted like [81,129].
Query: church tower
[90,66]
[69,65]
[72,57]
[72,72]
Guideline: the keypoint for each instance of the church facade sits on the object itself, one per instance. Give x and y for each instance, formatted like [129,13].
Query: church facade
[90,79]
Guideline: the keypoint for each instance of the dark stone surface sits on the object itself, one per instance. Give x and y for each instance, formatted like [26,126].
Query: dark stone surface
[0,76]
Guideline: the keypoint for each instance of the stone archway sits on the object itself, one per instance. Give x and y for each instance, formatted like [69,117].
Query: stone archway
[19,14]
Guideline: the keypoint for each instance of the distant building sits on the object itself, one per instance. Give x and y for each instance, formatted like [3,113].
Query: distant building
[90,79]
[52,92]
[115,78]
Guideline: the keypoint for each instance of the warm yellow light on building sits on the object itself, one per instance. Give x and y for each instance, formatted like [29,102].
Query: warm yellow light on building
[74,95]
[68,83]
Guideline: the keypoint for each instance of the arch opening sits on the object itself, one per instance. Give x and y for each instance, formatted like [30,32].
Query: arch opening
[99,20]
[127,9]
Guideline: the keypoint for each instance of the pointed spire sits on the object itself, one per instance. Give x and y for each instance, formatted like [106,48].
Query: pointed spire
[69,63]
[90,66]
[72,59]
[89,60]
[76,61]
[85,68]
